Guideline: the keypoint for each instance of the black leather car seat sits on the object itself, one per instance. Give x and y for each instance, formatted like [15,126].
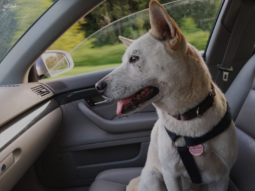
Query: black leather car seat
[241,99]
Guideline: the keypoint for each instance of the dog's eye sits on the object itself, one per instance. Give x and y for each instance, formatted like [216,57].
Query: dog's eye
[133,59]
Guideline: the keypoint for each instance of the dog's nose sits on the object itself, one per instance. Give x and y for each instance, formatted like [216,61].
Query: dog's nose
[100,86]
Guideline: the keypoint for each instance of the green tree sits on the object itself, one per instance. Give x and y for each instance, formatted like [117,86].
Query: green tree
[71,38]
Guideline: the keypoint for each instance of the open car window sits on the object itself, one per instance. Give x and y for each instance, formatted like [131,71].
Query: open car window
[93,41]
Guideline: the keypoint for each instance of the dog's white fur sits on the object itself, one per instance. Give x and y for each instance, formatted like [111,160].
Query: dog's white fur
[176,68]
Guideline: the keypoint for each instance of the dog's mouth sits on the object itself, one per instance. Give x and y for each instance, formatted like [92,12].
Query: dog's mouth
[129,104]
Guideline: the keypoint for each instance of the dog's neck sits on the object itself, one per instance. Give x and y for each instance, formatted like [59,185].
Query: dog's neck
[197,126]
[184,98]
[199,109]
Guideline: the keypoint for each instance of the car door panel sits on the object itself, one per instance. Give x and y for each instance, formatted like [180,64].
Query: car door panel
[22,151]
[80,168]
[77,82]
[136,122]
[92,139]
[78,130]
[86,171]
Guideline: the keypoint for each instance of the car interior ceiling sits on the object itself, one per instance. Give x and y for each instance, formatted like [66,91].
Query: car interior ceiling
[67,151]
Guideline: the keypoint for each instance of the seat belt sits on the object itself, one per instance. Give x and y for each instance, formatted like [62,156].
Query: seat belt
[243,20]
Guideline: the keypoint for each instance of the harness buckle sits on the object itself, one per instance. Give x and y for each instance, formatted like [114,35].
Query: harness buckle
[198,115]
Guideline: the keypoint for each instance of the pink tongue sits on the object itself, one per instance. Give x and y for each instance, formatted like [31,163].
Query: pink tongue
[121,103]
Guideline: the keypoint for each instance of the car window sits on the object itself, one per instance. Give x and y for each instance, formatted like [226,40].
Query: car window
[93,41]
[16,16]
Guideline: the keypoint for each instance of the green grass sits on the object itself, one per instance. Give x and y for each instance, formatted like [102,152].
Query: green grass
[197,39]
[88,55]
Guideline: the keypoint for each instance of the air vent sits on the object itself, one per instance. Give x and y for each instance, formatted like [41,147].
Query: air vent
[40,90]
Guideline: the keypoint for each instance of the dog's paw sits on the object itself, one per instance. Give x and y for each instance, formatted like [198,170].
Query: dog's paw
[133,184]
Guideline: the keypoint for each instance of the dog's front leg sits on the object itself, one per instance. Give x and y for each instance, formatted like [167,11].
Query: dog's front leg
[151,178]
[221,185]
[172,183]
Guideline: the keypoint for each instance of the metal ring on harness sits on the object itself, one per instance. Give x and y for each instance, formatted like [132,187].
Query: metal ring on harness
[173,144]
[198,115]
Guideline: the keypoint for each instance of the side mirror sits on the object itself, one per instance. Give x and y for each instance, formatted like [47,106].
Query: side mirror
[52,63]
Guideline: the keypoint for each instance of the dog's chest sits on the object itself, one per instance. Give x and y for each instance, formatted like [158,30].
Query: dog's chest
[170,158]
[168,154]
[209,163]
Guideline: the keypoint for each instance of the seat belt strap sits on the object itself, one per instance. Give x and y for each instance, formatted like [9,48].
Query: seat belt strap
[243,20]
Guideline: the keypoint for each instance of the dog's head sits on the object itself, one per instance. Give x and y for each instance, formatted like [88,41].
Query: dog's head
[151,65]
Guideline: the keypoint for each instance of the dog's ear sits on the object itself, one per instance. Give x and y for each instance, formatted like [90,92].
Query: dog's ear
[126,41]
[163,27]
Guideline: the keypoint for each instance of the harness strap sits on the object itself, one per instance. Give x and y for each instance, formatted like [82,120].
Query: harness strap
[186,157]
[190,165]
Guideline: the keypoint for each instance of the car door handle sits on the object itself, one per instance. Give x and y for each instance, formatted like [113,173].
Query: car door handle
[135,122]
[102,102]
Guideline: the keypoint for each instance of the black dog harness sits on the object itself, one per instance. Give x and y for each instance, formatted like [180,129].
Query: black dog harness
[186,156]
[195,142]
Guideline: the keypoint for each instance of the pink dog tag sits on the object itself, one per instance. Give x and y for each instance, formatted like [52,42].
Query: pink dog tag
[196,150]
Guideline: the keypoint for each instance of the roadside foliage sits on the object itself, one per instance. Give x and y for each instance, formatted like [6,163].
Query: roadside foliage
[16,16]
[101,47]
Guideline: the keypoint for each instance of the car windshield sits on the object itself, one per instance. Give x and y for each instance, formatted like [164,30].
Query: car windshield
[16,16]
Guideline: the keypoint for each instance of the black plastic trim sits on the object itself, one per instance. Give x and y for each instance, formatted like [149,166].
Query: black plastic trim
[215,21]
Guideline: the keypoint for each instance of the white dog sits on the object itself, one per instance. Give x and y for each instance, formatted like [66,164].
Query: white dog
[162,68]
